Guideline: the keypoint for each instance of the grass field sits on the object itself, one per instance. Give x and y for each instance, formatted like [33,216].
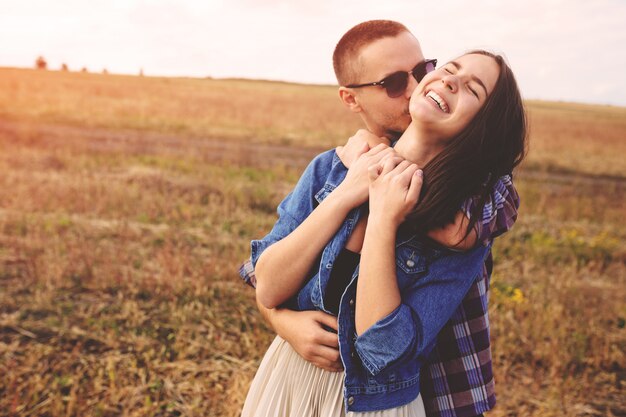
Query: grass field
[127,204]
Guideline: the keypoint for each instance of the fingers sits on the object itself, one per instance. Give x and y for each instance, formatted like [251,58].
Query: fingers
[405,172]
[325,337]
[367,136]
[327,319]
[373,172]
[391,161]
[401,168]
[363,149]
[415,187]
[388,166]
[326,364]
[328,339]
[327,358]
[391,156]
[380,148]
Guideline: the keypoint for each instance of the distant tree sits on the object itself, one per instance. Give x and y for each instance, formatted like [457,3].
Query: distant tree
[41,63]
[141,72]
[64,67]
[105,72]
[83,69]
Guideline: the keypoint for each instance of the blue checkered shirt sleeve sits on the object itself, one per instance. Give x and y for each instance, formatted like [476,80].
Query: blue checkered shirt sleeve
[458,380]
[246,272]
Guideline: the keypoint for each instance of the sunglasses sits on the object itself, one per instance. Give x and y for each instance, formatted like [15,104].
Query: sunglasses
[395,84]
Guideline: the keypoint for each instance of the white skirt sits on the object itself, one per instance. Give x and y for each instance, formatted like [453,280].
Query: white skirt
[288,386]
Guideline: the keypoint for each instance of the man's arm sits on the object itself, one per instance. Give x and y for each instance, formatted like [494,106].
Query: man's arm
[304,331]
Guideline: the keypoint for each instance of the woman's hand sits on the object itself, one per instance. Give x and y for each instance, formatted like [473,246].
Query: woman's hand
[354,189]
[362,141]
[394,190]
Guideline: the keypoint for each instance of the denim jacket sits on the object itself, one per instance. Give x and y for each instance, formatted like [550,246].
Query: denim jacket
[382,365]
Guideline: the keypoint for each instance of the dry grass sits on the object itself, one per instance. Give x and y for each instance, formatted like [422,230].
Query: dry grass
[577,137]
[232,109]
[127,203]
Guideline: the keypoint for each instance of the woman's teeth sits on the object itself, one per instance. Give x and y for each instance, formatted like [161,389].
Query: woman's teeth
[440,102]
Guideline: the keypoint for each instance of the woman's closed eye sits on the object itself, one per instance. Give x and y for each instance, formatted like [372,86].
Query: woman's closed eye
[473,91]
[451,69]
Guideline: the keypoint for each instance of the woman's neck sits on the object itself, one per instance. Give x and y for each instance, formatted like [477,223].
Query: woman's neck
[415,146]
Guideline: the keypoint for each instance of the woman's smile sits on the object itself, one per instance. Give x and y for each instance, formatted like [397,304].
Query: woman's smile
[447,99]
[439,101]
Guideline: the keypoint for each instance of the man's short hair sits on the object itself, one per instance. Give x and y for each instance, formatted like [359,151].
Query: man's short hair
[349,46]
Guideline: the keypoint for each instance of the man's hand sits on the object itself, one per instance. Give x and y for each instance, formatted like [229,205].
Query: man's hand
[362,141]
[304,332]
[353,190]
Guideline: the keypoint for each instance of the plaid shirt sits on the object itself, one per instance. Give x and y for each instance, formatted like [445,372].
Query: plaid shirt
[458,381]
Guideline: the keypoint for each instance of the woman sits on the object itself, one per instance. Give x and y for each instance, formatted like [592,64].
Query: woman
[467,130]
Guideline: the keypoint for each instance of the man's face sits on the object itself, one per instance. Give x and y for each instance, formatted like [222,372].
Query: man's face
[385,116]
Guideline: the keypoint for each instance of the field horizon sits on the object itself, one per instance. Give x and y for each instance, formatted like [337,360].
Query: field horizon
[271,81]
[127,204]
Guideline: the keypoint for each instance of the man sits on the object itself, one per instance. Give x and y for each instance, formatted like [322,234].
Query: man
[378,64]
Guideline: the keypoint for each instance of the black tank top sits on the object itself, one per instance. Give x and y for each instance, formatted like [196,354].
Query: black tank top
[340,276]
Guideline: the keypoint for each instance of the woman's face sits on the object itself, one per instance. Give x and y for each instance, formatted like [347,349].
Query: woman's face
[447,99]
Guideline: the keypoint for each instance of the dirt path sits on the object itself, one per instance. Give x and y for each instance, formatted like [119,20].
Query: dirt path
[134,142]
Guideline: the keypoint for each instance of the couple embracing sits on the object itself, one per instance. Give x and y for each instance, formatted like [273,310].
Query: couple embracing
[376,274]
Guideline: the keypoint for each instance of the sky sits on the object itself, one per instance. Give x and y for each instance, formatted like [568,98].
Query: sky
[561,50]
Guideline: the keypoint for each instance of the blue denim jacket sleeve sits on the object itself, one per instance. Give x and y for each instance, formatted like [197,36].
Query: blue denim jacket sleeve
[298,204]
[408,332]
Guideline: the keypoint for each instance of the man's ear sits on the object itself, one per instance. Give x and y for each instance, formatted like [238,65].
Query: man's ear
[349,99]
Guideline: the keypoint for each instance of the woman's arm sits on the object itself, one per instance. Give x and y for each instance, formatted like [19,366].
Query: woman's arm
[394,191]
[392,325]
[282,267]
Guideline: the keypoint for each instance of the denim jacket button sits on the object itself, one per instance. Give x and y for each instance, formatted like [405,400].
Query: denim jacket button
[410,263]
[350,400]
[352,302]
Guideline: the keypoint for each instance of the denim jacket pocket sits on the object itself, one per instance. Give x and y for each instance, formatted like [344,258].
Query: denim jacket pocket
[410,259]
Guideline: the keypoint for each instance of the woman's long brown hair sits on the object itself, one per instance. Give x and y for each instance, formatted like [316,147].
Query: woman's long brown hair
[491,145]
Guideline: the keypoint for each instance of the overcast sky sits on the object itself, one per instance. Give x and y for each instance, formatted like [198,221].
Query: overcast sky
[570,50]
